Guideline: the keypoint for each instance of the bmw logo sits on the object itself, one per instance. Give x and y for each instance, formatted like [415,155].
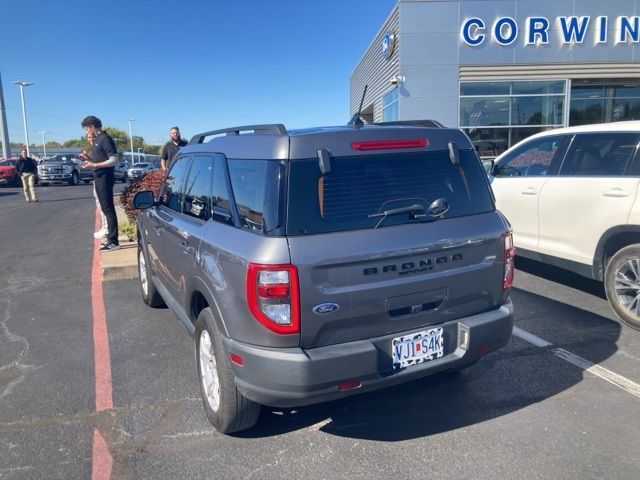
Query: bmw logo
[325,308]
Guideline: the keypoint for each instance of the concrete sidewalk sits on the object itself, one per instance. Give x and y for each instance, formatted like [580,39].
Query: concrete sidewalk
[122,263]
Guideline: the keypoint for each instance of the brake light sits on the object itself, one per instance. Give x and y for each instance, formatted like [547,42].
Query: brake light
[273,297]
[390,144]
[509,260]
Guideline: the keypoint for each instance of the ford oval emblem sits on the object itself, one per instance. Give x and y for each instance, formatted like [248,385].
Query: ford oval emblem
[325,308]
[439,207]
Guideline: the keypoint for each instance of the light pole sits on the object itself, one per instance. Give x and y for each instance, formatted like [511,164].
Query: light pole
[23,84]
[44,145]
[131,138]
[139,148]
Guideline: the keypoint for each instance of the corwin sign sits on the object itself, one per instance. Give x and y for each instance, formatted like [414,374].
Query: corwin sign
[571,30]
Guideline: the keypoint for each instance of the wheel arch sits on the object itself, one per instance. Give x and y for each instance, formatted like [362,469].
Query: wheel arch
[610,242]
[201,297]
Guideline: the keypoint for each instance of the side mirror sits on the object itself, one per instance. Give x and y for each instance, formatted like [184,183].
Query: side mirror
[143,200]
[488,165]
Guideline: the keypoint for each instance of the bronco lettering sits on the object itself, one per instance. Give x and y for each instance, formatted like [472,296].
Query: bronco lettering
[412,267]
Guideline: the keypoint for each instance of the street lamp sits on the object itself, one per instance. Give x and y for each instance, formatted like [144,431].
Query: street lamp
[139,148]
[131,138]
[44,145]
[23,84]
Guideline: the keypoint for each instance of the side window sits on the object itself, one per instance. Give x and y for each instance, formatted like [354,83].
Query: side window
[197,190]
[534,158]
[248,185]
[599,154]
[220,194]
[171,196]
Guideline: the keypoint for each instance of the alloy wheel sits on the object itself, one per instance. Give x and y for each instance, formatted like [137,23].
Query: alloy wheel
[209,371]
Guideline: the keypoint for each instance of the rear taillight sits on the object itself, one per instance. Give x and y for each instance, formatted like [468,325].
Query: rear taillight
[390,144]
[509,260]
[273,297]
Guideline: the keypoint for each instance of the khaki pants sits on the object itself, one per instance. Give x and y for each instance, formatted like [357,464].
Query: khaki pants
[28,181]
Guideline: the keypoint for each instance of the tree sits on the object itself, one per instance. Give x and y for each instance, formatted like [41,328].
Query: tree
[75,143]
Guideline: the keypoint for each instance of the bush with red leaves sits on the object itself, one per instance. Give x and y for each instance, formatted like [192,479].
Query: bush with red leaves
[151,181]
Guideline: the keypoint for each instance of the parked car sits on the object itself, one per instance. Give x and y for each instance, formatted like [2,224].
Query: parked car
[137,170]
[315,264]
[571,195]
[59,169]
[8,174]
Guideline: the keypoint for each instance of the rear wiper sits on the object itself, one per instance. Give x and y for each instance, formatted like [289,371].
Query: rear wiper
[413,209]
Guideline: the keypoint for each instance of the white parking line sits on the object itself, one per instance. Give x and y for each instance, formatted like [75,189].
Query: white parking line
[601,372]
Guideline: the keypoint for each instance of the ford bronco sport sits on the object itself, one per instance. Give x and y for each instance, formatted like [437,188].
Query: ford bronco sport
[315,264]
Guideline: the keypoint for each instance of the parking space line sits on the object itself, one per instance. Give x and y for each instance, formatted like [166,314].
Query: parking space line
[618,380]
[101,459]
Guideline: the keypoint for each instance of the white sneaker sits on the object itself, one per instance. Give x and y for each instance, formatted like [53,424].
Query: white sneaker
[100,234]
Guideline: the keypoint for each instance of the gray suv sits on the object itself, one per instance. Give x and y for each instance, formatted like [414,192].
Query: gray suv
[315,264]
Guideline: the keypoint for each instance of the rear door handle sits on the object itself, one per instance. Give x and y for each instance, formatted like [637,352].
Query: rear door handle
[186,249]
[529,191]
[616,192]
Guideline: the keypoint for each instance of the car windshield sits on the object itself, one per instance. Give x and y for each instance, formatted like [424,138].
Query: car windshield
[7,163]
[61,158]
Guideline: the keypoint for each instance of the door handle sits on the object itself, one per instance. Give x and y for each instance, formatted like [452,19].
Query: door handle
[186,249]
[616,192]
[529,191]
[158,229]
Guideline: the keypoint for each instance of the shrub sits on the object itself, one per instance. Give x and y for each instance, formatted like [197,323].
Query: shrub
[150,181]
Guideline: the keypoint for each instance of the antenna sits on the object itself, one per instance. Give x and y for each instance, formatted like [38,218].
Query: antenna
[356,121]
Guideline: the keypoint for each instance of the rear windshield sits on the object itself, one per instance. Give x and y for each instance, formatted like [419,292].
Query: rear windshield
[384,190]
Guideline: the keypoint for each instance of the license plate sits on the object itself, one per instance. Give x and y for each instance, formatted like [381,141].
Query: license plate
[417,348]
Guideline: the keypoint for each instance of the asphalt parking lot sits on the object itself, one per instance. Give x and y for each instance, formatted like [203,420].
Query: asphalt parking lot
[562,400]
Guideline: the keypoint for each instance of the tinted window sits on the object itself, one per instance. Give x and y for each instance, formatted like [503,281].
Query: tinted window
[257,189]
[358,190]
[534,158]
[197,190]
[171,195]
[600,154]
[220,193]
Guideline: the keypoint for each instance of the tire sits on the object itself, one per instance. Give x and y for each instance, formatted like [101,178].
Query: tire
[226,408]
[148,291]
[74,179]
[622,285]
[44,184]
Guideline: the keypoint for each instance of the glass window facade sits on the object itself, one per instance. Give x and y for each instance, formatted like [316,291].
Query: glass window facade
[600,101]
[497,115]
[390,102]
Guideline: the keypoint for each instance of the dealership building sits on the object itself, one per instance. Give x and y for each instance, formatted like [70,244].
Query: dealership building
[503,70]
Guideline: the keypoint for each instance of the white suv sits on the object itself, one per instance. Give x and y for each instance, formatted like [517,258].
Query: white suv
[571,195]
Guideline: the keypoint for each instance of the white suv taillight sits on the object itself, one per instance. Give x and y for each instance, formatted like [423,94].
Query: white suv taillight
[273,297]
[509,260]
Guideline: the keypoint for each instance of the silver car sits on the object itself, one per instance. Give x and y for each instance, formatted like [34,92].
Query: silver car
[314,264]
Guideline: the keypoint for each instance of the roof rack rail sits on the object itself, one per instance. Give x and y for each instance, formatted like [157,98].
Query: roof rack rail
[419,123]
[270,129]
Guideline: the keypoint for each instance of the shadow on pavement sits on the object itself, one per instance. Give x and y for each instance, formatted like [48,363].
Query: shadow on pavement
[559,275]
[513,378]
[6,194]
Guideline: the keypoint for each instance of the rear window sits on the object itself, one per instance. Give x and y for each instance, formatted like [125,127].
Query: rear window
[360,189]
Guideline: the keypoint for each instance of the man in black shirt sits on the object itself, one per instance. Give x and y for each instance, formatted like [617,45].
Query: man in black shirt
[171,148]
[103,158]
[27,168]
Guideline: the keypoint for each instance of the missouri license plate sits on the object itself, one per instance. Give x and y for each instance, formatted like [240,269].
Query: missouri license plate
[417,348]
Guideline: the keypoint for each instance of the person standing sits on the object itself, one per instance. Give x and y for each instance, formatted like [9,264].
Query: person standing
[170,149]
[27,168]
[103,159]
[104,229]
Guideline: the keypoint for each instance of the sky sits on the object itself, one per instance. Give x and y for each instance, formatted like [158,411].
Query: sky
[199,65]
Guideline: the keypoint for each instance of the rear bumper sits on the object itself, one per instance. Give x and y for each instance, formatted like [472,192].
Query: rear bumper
[291,377]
